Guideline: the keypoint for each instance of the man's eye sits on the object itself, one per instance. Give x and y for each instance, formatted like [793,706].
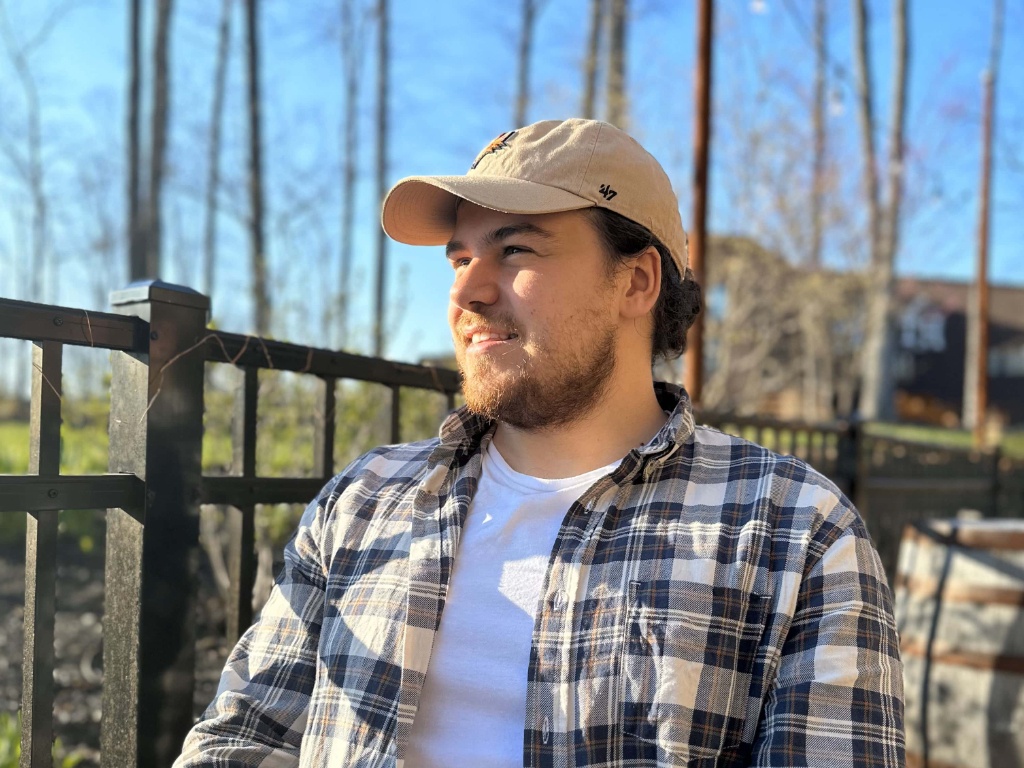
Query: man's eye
[513,249]
[456,263]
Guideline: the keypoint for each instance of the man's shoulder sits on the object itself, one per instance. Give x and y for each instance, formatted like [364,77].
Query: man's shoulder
[800,497]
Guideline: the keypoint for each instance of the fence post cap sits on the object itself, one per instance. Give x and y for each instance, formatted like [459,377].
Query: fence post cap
[142,291]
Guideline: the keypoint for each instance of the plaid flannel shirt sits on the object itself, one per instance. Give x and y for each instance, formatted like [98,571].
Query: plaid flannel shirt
[707,603]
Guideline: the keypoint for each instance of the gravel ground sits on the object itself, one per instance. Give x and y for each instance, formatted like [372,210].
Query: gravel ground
[78,646]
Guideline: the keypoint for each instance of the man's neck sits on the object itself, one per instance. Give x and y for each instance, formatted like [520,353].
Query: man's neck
[626,417]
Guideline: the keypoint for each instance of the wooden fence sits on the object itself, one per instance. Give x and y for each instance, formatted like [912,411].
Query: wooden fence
[160,346]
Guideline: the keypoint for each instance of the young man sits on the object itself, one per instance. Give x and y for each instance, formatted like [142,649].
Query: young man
[573,574]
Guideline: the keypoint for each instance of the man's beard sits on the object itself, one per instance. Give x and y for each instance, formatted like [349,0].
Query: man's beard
[549,389]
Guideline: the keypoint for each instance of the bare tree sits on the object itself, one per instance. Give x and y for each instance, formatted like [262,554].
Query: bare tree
[213,169]
[29,165]
[592,57]
[136,245]
[815,347]
[615,101]
[257,252]
[523,78]
[820,86]
[158,137]
[382,155]
[351,64]
[878,381]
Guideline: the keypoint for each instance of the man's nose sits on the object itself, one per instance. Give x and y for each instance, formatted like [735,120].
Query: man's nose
[475,285]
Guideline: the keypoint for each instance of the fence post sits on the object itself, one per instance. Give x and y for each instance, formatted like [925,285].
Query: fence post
[156,429]
[997,457]
[848,462]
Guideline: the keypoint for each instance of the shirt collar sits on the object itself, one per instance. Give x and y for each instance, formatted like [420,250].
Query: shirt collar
[463,429]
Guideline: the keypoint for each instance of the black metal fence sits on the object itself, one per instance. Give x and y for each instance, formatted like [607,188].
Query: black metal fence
[160,345]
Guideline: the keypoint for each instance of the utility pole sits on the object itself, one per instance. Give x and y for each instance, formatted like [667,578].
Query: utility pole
[979,328]
[694,360]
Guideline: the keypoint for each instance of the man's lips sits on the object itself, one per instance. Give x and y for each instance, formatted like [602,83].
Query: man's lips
[480,339]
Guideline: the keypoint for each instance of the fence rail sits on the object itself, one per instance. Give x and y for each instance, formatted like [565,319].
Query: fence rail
[160,348]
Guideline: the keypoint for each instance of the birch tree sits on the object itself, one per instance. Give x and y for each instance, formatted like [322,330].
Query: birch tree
[878,380]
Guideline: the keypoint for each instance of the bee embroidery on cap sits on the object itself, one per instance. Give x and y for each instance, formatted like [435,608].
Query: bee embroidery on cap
[499,143]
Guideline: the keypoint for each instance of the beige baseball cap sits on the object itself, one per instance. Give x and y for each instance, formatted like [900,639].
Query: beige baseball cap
[547,167]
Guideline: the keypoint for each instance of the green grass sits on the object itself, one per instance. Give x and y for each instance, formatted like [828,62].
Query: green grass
[1012,442]
[10,745]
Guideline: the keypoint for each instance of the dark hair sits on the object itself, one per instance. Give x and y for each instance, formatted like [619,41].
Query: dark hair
[679,301]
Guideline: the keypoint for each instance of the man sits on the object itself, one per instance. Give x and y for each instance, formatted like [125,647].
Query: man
[573,573]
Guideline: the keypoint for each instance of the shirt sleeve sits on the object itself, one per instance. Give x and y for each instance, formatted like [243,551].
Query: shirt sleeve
[837,696]
[259,714]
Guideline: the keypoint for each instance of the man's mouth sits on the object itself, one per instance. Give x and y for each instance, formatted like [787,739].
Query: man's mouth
[482,336]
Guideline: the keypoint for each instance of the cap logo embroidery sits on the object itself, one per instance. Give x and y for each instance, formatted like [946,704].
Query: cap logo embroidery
[607,192]
[498,144]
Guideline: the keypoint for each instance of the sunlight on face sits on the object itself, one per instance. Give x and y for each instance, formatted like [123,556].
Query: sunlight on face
[532,316]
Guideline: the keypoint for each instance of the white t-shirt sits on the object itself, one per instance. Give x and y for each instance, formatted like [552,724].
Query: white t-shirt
[473,704]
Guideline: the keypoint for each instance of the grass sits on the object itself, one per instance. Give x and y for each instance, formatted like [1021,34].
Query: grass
[1012,442]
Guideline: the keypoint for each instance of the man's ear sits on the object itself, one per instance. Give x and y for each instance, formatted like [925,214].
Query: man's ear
[644,287]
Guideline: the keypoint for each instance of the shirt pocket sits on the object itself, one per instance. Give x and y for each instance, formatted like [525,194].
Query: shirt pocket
[686,666]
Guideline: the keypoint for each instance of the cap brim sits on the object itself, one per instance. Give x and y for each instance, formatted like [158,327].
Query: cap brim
[420,210]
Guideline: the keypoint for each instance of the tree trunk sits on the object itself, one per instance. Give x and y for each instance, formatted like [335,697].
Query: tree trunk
[382,154]
[820,86]
[351,59]
[815,348]
[877,393]
[158,138]
[213,168]
[615,101]
[593,56]
[136,246]
[257,253]
[523,79]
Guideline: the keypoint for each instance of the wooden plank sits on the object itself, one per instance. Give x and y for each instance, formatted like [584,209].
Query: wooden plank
[241,514]
[927,588]
[43,322]
[324,427]
[41,563]
[244,491]
[945,653]
[21,492]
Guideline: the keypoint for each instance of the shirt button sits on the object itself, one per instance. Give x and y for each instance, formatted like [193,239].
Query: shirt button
[545,731]
[560,600]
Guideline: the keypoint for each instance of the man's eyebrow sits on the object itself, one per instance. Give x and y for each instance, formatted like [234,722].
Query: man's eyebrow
[502,233]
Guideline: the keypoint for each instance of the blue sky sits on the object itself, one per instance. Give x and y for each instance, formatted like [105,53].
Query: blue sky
[452,91]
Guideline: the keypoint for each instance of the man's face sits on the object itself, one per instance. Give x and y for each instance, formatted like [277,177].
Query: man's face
[534,315]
